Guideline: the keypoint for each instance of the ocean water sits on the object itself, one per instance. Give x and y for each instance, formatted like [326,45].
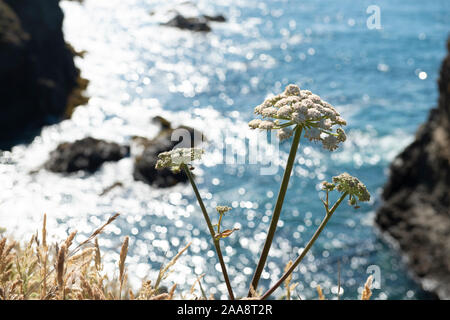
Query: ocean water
[383,81]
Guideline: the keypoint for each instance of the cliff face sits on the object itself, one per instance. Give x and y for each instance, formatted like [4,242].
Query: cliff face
[37,72]
[416,208]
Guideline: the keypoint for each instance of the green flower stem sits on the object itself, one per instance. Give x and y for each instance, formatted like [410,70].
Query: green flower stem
[308,246]
[211,229]
[277,210]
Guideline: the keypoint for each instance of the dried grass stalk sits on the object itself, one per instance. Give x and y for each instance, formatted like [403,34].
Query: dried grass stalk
[367,293]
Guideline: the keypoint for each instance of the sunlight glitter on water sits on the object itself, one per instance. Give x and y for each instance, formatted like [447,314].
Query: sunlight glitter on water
[138,69]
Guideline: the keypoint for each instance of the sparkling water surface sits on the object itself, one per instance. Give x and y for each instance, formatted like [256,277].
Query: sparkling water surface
[382,81]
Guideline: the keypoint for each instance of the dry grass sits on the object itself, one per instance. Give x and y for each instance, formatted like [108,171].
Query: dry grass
[37,270]
[64,271]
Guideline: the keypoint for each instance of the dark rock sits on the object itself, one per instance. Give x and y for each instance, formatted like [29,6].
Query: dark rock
[167,139]
[37,71]
[218,18]
[87,154]
[193,24]
[416,208]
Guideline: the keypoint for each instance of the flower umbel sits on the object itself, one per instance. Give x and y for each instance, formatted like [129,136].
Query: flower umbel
[222,209]
[345,183]
[175,158]
[303,108]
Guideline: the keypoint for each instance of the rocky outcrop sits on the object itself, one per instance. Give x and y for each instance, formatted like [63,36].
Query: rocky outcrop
[87,154]
[194,23]
[416,208]
[37,71]
[167,139]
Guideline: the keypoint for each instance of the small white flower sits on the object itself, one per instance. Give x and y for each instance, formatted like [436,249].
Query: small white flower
[305,92]
[313,114]
[223,209]
[292,90]
[284,112]
[301,107]
[266,125]
[341,121]
[325,124]
[299,117]
[341,135]
[269,112]
[307,103]
[315,98]
[175,158]
[346,183]
[254,124]
[313,134]
[330,142]
[284,133]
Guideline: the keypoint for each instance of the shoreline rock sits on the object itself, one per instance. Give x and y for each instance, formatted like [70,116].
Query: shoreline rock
[416,207]
[38,77]
[199,24]
[87,154]
[144,165]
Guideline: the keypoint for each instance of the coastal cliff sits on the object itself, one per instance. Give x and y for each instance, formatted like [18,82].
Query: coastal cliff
[416,208]
[38,77]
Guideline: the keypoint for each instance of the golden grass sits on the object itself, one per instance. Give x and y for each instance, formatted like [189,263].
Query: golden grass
[37,270]
[67,272]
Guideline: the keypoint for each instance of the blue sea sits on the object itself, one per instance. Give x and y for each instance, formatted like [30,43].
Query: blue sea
[382,80]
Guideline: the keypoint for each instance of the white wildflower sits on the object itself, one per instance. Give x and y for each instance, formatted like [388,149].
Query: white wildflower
[330,142]
[341,121]
[266,125]
[269,112]
[325,124]
[299,117]
[317,117]
[313,134]
[305,92]
[351,185]
[341,135]
[292,90]
[175,158]
[254,124]
[284,112]
[284,133]
[315,98]
[313,114]
[223,209]
[307,103]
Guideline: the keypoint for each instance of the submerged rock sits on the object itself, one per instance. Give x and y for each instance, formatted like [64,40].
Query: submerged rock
[167,139]
[416,208]
[37,71]
[87,154]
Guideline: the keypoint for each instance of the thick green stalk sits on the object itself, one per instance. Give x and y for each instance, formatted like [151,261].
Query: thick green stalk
[277,210]
[211,230]
[305,251]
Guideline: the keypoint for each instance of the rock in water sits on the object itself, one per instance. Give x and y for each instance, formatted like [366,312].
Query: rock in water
[167,139]
[416,208]
[87,154]
[37,71]
[194,24]
[218,18]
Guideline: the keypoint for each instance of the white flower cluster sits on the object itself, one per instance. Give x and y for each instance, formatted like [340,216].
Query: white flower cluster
[303,108]
[223,209]
[175,158]
[346,183]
